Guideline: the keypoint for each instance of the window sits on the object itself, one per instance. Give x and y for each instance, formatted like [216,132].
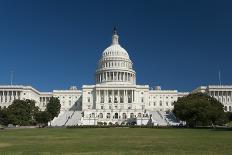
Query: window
[116,115]
[108,115]
[109,99]
[115,100]
[100,115]
[154,104]
[132,115]
[102,107]
[102,99]
[88,106]
[160,103]
[70,102]
[88,99]
[110,107]
[166,103]
[142,99]
[124,115]
[121,99]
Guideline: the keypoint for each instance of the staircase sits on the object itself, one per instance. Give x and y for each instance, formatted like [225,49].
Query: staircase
[158,118]
[62,118]
[75,119]
[170,118]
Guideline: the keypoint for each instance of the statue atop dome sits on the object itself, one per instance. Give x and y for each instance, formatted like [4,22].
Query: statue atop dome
[115,37]
[115,30]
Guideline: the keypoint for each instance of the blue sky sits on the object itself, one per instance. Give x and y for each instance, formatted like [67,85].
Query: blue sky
[52,44]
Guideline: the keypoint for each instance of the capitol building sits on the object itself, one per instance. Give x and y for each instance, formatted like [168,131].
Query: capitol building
[115,98]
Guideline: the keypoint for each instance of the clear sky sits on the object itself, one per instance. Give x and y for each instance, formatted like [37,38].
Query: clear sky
[52,44]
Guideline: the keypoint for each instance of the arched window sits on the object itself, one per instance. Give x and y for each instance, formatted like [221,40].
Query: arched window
[100,115]
[225,108]
[230,108]
[108,115]
[116,115]
[124,115]
[131,115]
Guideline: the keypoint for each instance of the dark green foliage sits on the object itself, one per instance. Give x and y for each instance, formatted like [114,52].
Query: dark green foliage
[21,112]
[229,116]
[3,116]
[199,110]
[24,112]
[53,107]
[42,117]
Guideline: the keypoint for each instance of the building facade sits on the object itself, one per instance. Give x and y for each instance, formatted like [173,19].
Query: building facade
[115,98]
[222,93]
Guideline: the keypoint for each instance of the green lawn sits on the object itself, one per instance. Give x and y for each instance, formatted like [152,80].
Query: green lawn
[115,141]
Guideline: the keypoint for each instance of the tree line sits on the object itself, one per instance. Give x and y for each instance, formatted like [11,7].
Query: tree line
[199,109]
[26,113]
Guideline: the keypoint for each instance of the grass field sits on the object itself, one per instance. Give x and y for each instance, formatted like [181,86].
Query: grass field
[115,141]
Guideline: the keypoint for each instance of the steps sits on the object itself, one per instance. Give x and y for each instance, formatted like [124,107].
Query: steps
[62,118]
[75,119]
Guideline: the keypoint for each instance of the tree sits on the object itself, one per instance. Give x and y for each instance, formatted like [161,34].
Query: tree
[22,112]
[229,116]
[42,118]
[199,109]
[3,116]
[53,107]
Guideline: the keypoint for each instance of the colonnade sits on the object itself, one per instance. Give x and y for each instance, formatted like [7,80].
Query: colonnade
[7,96]
[115,77]
[225,97]
[222,96]
[44,100]
[115,96]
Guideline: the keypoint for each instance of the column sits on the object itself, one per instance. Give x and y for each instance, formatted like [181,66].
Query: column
[132,96]
[126,98]
[12,96]
[3,96]
[18,95]
[7,96]
[105,96]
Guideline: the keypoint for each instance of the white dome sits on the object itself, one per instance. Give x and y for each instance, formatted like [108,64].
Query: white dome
[115,50]
[115,65]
